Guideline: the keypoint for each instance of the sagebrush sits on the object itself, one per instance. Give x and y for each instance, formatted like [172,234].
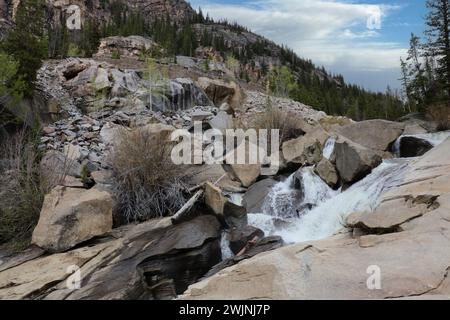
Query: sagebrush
[23,186]
[146,183]
[289,124]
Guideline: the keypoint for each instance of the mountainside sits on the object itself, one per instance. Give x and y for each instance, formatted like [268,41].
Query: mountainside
[181,30]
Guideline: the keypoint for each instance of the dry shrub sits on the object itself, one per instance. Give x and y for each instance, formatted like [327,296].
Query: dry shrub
[22,189]
[289,124]
[440,113]
[146,183]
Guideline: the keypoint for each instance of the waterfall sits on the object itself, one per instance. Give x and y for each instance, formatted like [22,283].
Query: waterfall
[434,138]
[225,246]
[329,148]
[328,208]
[285,201]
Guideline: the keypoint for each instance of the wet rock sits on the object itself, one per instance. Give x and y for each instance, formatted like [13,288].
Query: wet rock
[413,147]
[153,260]
[254,197]
[326,170]
[353,161]
[235,215]
[264,245]
[240,237]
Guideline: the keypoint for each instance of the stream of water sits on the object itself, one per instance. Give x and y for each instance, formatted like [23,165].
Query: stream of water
[322,210]
[315,211]
[330,209]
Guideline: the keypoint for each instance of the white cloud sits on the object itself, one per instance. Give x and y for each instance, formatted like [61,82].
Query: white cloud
[336,33]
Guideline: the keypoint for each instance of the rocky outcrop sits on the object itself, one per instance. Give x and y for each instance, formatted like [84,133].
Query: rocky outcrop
[418,123]
[153,260]
[353,161]
[326,170]
[374,134]
[264,245]
[71,216]
[256,102]
[410,146]
[240,237]
[220,91]
[90,85]
[254,197]
[413,263]
[307,149]
[134,47]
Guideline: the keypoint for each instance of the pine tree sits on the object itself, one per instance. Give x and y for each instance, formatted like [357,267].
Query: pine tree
[405,83]
[417,85]
[27,42]
[438,32]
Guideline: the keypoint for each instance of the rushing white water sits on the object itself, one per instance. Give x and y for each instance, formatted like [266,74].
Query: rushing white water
[236,198]
[285,201]
[434,138]
[329,148]
[225,246]
[332,207]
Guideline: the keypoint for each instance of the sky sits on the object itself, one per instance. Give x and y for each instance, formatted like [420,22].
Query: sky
[361,39]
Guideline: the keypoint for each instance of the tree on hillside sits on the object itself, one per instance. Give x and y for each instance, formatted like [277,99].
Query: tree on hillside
[27,42]
[282,82]
[405,83]
[11,88]
[418,83]
[438,33]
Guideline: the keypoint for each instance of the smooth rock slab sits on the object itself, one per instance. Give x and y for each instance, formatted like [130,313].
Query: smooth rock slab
[374,134]
[410,265]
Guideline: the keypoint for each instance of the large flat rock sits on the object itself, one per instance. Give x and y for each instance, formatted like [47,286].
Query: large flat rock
[375,134]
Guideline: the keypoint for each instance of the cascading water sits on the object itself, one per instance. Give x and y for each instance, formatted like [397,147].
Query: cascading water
[434,138]
[315,211]
[225,246]
[329,148]
[327,216]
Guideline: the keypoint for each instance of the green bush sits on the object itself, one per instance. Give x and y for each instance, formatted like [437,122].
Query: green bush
[115,54]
